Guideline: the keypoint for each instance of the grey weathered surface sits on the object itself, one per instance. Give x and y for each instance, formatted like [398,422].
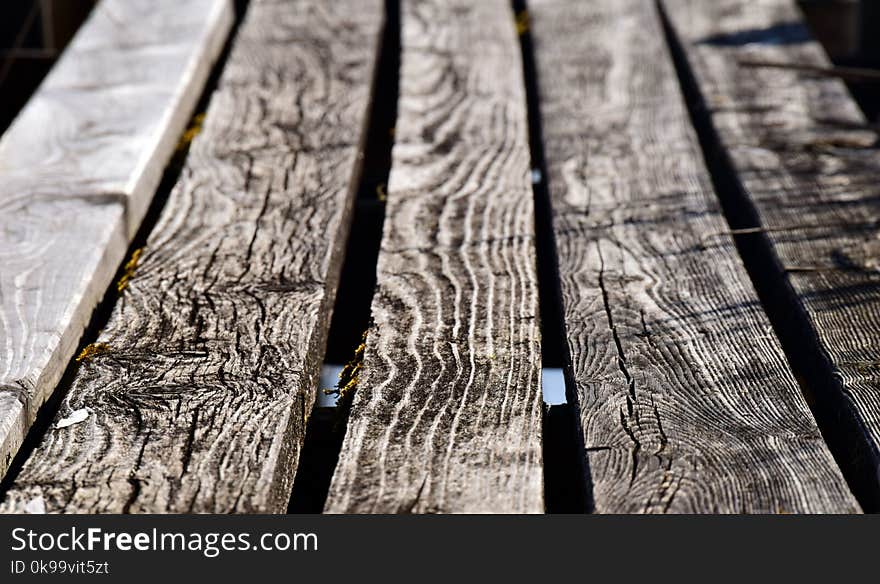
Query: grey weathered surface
[686,400]
[447,414]
[198,398]
[78,168]
[802,156]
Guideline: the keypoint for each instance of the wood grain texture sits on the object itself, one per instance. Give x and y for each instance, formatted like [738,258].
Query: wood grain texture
[686,400]
[447,414]
[78,168]
[207,370]
[803,156]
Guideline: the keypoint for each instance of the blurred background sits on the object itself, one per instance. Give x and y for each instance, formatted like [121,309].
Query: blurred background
[34,32]
[850,32]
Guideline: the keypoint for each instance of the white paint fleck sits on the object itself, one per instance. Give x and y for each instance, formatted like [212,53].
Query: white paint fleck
[36,506]
[75,417]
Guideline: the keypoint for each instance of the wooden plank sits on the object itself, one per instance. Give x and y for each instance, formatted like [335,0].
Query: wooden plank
[200,386]
[447,414]
[802,155]
[78,168]
[686,400]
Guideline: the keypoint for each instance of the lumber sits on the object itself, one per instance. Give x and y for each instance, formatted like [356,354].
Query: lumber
[447,412]
[198,391]
[78,169]
[686,401]
[806,160]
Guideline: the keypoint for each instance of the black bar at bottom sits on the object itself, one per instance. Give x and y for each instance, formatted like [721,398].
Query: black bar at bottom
[391,548]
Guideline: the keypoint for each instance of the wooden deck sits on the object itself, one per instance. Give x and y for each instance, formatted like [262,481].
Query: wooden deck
[707,276]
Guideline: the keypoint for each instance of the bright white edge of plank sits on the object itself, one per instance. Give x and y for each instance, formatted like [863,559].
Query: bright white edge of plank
[78,169]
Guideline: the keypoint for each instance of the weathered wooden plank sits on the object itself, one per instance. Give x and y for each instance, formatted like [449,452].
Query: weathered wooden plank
[202,382]
[686,400]
[118,100]
[801,152]
[78,168]
[447,414]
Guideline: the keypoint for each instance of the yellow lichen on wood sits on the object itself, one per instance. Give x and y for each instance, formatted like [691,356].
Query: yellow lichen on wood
[353,375]
[92,350]
[522,22]
[191,132]
[348,377]
[129,269]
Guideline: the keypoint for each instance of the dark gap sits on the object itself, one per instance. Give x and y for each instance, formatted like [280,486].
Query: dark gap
[351,312]
[567,482]
[843,431]
[101,314]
